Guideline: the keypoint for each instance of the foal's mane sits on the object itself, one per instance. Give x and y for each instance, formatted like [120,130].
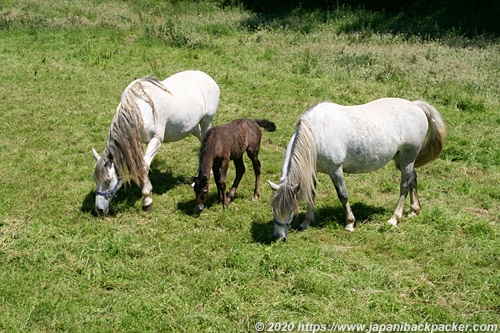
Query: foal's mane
[301,170]
[124,144]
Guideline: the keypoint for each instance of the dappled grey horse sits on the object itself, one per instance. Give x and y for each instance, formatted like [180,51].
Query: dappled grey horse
[152,112]
[333,139]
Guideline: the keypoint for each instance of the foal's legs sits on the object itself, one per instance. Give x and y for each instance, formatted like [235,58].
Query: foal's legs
[240,170]
[338,180]
[220,173]
[254,157]
[147,189]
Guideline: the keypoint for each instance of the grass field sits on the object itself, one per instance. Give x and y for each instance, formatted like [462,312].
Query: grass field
[64,67]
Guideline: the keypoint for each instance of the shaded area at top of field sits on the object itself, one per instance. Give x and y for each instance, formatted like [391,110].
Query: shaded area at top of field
[417,17]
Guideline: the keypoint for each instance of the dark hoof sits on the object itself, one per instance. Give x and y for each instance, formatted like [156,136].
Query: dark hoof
[148,209]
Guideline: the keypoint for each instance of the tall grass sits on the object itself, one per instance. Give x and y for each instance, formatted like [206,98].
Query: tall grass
[64,66]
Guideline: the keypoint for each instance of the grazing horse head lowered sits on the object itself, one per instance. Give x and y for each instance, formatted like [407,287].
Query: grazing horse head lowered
[334,139]
[151,112]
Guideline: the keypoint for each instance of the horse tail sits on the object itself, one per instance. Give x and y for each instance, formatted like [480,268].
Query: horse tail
[266,124]
[124,144]
[436,135]
[302,163]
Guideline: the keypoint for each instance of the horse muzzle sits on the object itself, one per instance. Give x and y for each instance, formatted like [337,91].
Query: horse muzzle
[199,208]
[101,212]
[281,230]
[101,207]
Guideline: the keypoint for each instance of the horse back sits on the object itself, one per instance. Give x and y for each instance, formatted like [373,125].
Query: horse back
[177,104]
[233,139]
[363,138]
[192,92]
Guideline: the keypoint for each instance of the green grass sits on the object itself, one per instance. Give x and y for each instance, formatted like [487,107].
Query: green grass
[64,66]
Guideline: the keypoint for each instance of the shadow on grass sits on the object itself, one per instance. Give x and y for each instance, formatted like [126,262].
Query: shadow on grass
[187,207]
[162,183]
[262,231]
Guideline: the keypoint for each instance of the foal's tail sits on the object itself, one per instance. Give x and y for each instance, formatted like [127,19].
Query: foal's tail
[436,135]
[266,124]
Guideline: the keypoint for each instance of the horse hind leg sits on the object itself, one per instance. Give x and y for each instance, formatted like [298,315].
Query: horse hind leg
[408,183]
[254,157]
[415,207]
[240,170]
[203,126]
[340,186]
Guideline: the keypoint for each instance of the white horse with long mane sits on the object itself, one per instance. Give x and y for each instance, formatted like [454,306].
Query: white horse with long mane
[334,139]
[152,112]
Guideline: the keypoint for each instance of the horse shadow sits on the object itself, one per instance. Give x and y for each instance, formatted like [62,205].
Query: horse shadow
[187,207]
[162,181]
[262,231]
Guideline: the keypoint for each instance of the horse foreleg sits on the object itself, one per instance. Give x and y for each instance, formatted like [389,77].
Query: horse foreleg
[407,179]
[339,182]
[151,150]
[147,196]
[147,189]
[221,183]
[240,170]
[309,216]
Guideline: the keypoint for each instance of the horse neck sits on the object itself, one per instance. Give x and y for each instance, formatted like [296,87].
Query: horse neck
[299,165]
[124,142]
[290,168]
[206,160]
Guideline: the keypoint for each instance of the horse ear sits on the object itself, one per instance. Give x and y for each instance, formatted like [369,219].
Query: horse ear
[296,188]
[274,187]
[96,154]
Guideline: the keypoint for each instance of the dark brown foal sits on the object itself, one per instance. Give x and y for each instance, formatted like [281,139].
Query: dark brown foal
[222,144]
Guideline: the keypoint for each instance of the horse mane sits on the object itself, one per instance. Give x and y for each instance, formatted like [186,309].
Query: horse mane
[124,144]
[300,170]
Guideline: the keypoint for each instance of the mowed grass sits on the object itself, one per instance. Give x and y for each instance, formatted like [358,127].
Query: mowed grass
[64,66]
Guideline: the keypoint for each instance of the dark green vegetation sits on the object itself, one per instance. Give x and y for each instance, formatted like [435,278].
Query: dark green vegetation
[64,66]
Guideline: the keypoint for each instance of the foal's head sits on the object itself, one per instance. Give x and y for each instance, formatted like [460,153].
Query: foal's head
[200,187]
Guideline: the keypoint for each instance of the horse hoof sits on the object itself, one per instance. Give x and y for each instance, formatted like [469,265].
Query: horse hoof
[349,227]
[148,209]
[393,222]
